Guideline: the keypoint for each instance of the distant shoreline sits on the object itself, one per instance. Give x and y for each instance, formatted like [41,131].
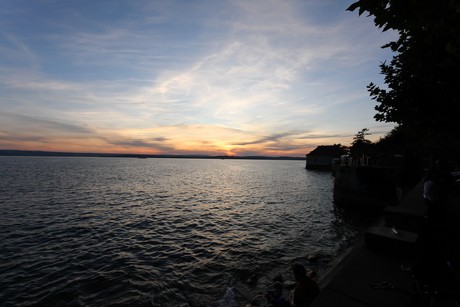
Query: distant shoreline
[38,153]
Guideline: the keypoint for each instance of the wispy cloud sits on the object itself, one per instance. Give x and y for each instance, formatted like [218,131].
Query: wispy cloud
[233,76]
[37,125]
[267,139]
[143,144]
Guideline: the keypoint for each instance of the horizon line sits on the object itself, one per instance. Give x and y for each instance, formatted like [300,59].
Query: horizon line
[20,152]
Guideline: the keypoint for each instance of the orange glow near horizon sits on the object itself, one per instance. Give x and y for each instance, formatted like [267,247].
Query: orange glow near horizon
[174,140]
[182,147]
[246,83]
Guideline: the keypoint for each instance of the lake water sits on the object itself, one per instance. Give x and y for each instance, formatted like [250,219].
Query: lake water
[163,232]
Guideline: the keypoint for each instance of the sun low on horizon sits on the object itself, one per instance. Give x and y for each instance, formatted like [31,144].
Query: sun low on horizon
[232,77]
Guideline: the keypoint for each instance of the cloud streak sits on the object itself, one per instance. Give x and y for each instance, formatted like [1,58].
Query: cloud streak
[267,139]
[267,77]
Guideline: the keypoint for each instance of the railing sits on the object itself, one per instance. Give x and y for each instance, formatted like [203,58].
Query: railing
[368,161]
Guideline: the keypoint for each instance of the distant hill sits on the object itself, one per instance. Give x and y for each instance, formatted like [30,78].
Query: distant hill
[37,153]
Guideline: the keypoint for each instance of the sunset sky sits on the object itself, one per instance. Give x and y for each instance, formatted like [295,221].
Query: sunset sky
[235,77]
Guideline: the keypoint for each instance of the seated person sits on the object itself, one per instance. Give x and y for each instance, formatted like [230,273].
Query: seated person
[306,289]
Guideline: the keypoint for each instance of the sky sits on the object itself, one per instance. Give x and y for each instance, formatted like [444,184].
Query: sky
[227,77]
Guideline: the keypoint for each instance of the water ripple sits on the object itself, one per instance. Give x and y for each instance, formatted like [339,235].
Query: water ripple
[105,232]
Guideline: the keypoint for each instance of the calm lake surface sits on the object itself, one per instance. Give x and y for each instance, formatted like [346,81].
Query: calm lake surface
[162,232]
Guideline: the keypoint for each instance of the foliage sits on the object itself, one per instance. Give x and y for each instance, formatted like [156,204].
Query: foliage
[422,85]
[360,145]
[398,141]
[360,137]
[343,149]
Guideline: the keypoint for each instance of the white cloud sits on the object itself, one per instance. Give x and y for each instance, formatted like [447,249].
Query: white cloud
[263,67]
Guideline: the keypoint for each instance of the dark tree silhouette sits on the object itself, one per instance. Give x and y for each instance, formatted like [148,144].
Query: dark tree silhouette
[360,145]
[360,137]
[422,84]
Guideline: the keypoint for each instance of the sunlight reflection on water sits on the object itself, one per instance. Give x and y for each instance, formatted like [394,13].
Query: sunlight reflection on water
[103,231]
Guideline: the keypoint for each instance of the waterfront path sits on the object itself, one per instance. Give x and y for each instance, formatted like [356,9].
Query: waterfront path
[396,275]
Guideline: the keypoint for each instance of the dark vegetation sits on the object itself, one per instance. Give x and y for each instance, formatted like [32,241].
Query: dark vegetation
[422,87]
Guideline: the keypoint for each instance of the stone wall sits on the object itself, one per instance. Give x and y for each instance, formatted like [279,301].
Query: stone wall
[365,187]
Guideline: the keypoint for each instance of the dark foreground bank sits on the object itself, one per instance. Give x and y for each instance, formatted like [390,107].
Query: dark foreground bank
[388,266]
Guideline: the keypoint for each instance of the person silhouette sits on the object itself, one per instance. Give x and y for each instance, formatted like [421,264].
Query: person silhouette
[437,185]
[275,296]
[306,289]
